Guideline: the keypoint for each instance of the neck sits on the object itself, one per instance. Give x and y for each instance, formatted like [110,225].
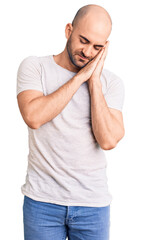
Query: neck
[64,61]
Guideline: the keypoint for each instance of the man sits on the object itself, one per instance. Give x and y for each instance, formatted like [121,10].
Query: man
[73,110]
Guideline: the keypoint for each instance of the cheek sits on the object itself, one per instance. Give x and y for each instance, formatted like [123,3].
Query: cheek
[75,46]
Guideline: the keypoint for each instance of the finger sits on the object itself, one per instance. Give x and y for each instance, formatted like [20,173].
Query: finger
[92,63]
[106,47]
[98,56]
[106,44]
[102,52]
[105,52]
[100,63]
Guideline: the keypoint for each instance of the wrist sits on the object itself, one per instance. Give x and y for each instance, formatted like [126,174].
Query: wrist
[94,83]
[79,78]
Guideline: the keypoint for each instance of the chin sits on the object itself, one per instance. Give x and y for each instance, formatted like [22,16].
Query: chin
[79,63]
[82,64]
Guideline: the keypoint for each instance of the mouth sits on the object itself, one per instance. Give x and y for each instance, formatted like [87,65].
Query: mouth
[83,57]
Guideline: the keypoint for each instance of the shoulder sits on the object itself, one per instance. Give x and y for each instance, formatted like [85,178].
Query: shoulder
[111,81]
[35,60]
[29,61]
[110,78]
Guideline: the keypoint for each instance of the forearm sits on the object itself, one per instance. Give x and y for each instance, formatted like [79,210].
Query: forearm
[105,127]
[43,109]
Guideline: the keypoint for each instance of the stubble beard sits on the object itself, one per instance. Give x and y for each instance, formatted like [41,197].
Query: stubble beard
[71,56]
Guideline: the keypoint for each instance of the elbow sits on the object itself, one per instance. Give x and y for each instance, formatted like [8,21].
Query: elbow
[32,125]
[113,142]
[111,145]
[108,146]
[31,122]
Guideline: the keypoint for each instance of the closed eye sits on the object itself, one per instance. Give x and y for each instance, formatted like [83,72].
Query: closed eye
[83,41]
[97,48]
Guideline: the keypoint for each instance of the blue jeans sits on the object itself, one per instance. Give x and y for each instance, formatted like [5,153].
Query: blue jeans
[48,221]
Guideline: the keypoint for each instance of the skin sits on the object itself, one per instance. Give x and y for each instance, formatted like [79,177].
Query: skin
[93,24]
[90,30]
[83,56]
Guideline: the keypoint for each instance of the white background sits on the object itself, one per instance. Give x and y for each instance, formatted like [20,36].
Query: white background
[36,27]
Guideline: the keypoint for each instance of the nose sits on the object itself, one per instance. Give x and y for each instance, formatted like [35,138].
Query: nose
[89,52]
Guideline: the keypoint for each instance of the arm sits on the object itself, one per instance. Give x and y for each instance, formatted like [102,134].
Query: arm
[107,124]
[107,128]
[37,109]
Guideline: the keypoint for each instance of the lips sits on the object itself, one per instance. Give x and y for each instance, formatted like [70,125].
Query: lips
[82,57]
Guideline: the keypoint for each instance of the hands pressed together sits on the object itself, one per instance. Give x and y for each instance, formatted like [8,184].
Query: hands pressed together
[92,71]
[99,62]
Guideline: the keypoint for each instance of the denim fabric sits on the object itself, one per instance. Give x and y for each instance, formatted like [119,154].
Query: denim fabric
[48,221]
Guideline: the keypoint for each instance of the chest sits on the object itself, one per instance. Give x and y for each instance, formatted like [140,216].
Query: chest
[78,107]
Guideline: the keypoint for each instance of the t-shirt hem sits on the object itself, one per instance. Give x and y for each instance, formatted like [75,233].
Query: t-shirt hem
[29,88]
[67,203]
[114,107]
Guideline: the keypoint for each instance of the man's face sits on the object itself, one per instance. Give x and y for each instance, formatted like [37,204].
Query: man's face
[83,46]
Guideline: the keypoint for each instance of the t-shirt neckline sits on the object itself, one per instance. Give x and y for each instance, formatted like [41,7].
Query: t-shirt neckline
[64,69]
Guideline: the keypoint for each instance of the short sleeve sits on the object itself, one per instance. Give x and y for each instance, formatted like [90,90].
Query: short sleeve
[115,93]
[29,75]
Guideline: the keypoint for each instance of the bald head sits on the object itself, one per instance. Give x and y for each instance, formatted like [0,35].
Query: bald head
[87,34]
[98,13]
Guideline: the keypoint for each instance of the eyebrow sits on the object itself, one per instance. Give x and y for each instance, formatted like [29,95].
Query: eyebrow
[89,41]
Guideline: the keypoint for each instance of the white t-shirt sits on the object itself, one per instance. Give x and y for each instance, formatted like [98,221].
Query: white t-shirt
[66,165]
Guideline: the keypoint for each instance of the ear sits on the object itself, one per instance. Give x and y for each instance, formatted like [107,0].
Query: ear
[68,30]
